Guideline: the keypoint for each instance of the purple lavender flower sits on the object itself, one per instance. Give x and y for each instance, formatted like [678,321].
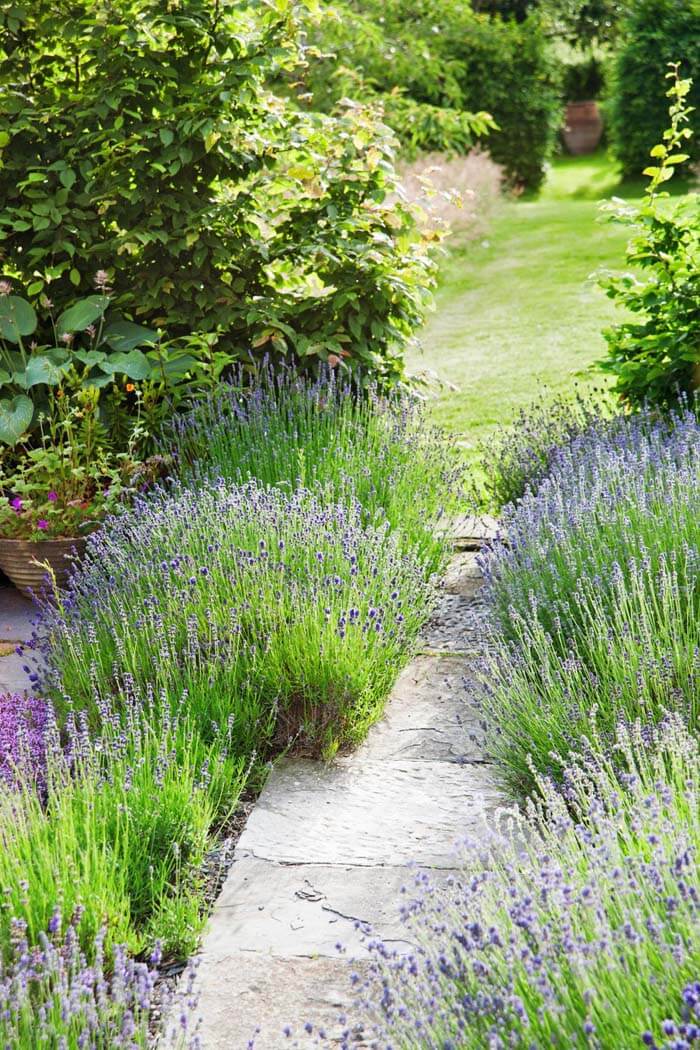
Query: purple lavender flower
[27,725]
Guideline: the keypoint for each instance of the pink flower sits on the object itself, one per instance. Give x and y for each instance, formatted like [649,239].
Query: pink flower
[42,523]
[16,504]
[53,496]
[5,287]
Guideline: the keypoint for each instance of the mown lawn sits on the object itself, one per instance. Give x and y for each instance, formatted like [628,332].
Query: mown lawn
[518,312]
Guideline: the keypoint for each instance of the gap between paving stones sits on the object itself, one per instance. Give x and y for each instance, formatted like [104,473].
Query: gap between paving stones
[326,849]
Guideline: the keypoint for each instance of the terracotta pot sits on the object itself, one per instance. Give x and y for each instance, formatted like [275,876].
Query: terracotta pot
[583,127]
[25,562]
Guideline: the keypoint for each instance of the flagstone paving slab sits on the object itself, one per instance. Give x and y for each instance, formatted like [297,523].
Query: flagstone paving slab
[382,812]
[308,910]
[432,714]
[245,991]
[16,616]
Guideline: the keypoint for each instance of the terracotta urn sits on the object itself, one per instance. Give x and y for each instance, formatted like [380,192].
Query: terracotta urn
[27,563]
[583,127]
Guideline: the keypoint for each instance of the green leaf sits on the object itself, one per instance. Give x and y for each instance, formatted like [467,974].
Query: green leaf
[74,277]
[17,318]
[4,139]
[90,358]
[41,369]
[125,335]
[82,314]
[135,364]
[15,417]
[166,136]
[67,178]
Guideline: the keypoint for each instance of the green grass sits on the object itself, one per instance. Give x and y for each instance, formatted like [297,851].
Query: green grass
[519,311]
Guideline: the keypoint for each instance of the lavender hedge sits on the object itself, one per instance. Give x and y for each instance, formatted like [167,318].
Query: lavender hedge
[577,927]
[330,433]
[595,593]
[282,614]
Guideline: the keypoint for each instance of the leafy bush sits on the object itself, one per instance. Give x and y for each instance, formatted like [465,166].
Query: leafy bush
[578,928]
[583,79]
[508,69]
[519,456]
[652,34]
[282,615]
[655,358]
[212,205]
[595,597]
[441,55]
[329,433]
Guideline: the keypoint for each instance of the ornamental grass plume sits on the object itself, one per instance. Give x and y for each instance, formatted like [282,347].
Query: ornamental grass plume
[578,927]
[595,596]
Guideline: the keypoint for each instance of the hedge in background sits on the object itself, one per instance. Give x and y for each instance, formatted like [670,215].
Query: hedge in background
[653,33]
[442,55]
[142,139]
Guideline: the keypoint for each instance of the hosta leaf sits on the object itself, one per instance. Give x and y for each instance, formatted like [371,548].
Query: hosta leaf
[125,335]
[15,417]
[135,364]
[17,318]
[82,314]
[41,369]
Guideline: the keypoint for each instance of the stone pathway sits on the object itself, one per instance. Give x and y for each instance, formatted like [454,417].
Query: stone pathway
[328,847]
[16,614]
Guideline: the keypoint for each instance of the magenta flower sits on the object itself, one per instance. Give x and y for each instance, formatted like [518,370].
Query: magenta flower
[53,496]
[16,504]
[42,523]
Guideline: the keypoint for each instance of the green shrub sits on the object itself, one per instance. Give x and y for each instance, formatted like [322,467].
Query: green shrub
[655,357]
[442,55]
[508,69]
[652,34]
[212,205]
[583,79]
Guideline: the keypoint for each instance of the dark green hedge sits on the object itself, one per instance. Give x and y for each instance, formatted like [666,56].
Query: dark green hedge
[507,68]
[653,33]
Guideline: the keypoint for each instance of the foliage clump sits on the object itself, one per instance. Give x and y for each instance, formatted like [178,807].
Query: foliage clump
[144,140]
[655,357]
[651,33]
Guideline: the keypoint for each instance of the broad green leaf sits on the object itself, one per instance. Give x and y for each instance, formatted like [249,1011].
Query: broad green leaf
[173,366]
[17,318]
[74,277]
[15,417]
[67,178]
[135,364]
[166,136]
[90,358]
[82,314]
[125,335]
[41,369]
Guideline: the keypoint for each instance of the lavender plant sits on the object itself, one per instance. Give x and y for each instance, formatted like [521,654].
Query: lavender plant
[121,826]
[517,457]
[26,726]
[293,430]
[52,994]
[283,615]
[577,927]
[596,595]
